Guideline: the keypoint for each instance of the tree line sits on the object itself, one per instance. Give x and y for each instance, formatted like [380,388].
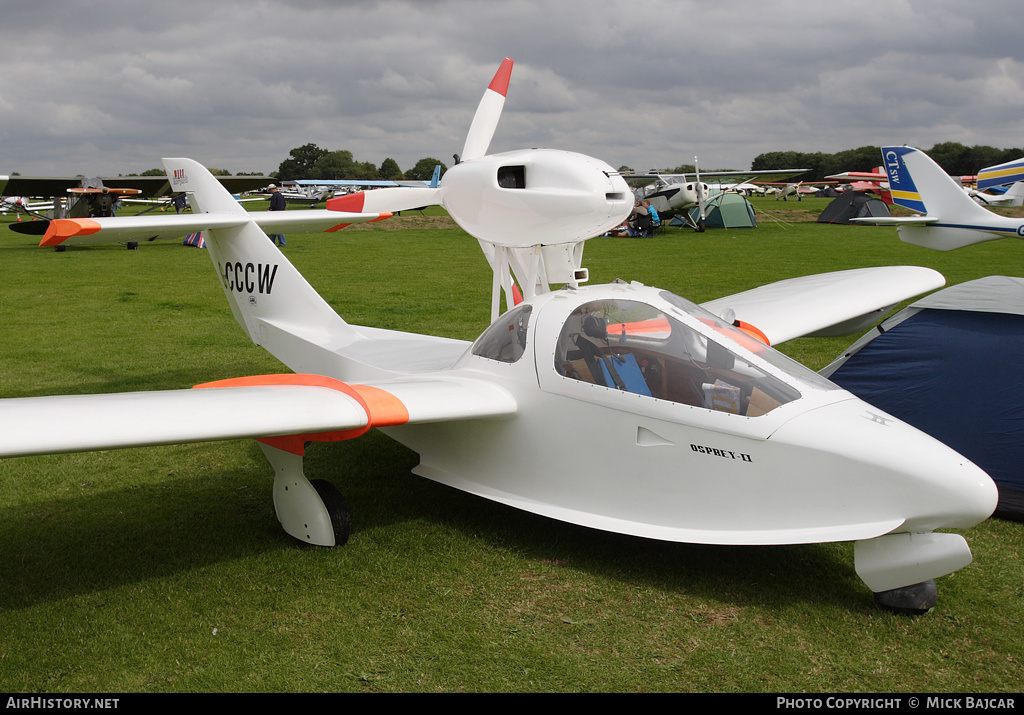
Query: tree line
[956,159]
[312,162]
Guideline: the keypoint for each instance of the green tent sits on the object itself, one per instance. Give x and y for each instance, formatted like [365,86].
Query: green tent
[726,210]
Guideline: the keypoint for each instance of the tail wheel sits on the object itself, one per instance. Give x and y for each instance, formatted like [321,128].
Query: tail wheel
[341,520]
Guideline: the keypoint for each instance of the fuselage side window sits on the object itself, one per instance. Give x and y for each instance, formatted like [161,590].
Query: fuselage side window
[505,339]
[634,347]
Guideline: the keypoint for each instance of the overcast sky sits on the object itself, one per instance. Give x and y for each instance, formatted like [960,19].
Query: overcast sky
[110,86]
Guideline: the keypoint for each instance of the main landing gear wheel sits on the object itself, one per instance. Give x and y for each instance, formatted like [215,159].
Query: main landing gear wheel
[337,508]
[913,600]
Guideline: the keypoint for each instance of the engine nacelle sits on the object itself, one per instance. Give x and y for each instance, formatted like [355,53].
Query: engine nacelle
[535,197]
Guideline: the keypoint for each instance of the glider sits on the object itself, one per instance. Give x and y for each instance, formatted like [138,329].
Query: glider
[620,407]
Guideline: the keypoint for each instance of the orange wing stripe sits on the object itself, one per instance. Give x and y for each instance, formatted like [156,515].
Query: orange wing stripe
[382,408]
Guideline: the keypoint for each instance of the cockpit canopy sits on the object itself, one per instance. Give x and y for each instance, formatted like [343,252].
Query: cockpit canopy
[663,347]
[505,339]
[636,347]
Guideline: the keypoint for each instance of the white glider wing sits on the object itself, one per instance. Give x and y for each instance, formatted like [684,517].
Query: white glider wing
[86,231]
[289,408]
[828,303]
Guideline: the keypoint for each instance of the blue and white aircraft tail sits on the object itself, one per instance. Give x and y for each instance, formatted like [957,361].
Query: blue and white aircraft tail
[948,217]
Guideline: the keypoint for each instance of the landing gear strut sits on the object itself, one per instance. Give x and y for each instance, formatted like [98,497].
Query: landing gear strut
[314,512]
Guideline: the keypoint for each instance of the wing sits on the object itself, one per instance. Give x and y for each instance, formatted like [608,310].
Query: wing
[86,231]
[826,304]
[738,177]
[283,410]
[147,185]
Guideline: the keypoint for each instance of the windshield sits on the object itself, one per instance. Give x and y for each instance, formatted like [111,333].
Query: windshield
[505,339]
[635,347]
[769,355]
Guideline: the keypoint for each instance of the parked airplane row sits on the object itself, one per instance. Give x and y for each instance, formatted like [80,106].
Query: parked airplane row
[620,407]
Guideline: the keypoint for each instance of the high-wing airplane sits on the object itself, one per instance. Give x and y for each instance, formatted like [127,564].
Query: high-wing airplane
[58,186]
[948,217]
[679,193]
[93,198]
[620,407]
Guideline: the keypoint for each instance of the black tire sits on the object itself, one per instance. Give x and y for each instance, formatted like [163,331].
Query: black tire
[341,520]
[914,600]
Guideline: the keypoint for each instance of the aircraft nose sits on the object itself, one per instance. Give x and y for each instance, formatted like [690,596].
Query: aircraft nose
[895,470]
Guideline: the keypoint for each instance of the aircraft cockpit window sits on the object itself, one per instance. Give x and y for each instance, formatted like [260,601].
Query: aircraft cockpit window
[634,347]
[505,340]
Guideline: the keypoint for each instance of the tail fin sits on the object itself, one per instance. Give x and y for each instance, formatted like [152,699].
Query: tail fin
[270,299]
[919,184]
[1016,191]
[953,219]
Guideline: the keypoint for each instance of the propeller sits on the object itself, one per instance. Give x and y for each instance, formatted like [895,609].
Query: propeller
[531,210]
[488,112]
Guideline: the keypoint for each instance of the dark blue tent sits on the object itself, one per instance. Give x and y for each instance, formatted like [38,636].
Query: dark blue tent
[950,365]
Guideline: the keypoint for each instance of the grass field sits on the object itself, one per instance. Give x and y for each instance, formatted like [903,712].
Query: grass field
[164,569]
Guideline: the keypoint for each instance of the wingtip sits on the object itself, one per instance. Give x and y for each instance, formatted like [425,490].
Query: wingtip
[62,229]
[501,78]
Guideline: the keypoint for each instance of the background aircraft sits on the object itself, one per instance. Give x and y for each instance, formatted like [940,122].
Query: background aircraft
[1007,196]
[948,218]
[876,182]
[673,194]
[149,186]
[619,407]
[1000,185]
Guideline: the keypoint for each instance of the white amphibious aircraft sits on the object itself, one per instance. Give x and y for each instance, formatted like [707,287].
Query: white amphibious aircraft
[949,218]
[619,407]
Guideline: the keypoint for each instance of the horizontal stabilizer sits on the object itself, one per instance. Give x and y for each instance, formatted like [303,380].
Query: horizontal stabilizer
[898,220]
[813,304]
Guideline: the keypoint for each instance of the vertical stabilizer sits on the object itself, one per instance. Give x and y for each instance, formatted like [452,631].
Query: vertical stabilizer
[270,299]
[952,218]
[919,184]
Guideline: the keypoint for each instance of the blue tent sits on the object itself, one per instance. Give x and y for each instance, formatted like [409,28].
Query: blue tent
[949,365]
